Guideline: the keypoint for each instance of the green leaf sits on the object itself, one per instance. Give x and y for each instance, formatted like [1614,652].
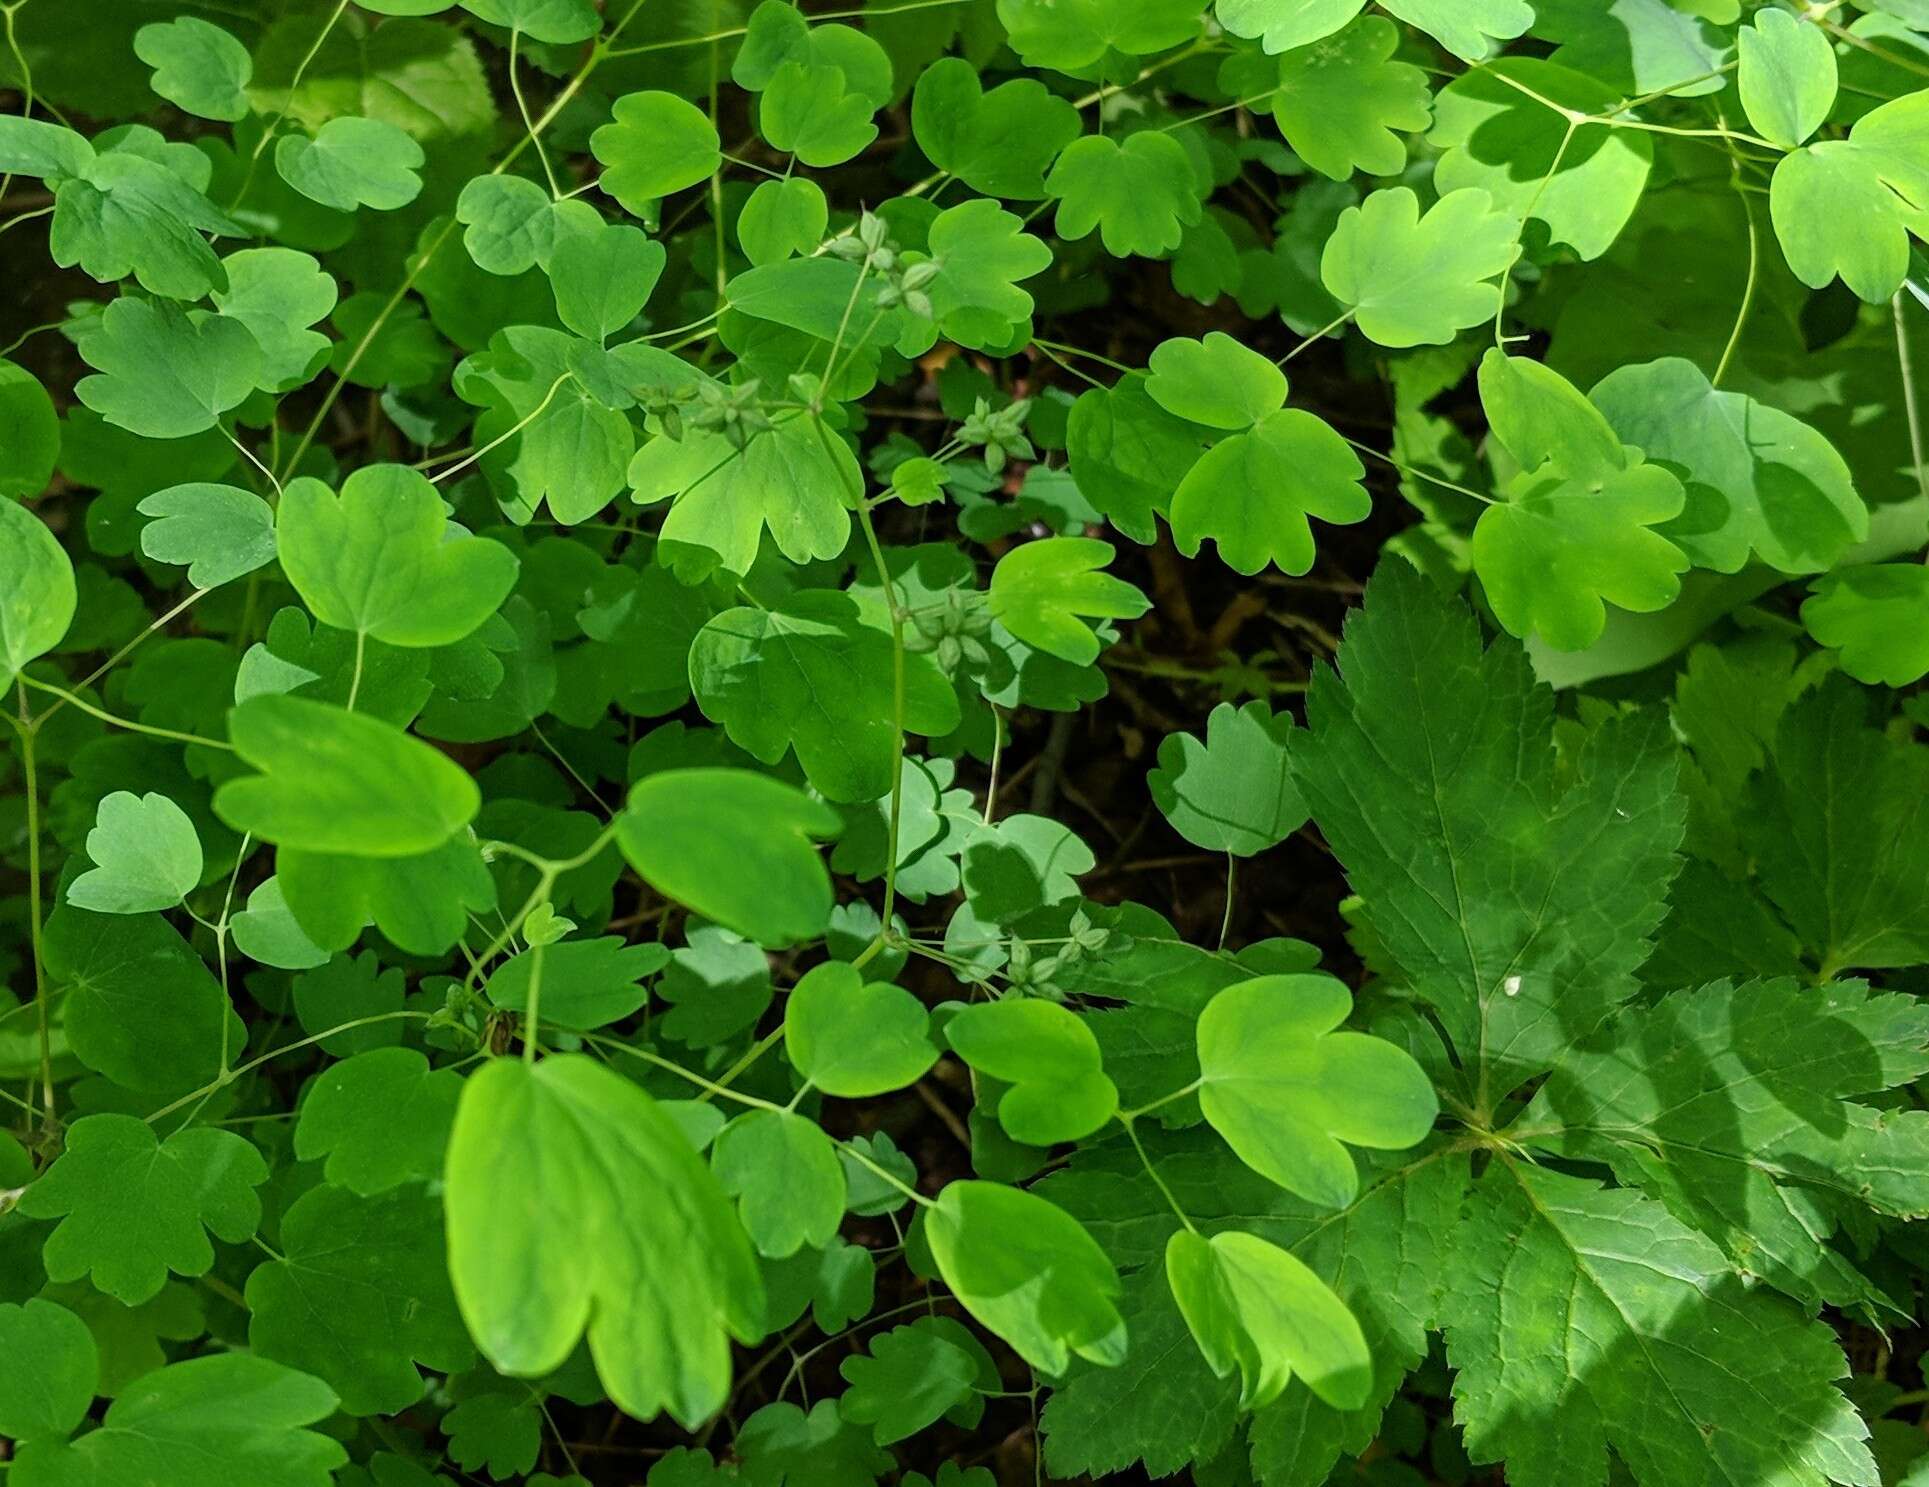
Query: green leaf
[1786,76]
[981,253]
[782,219]
[38,147]
[1848,206]
[585,983]
[220,532]
[278,293]
[1340,101]
[1286,1089]
[1832,828]
[352,162]
[545,1154]
[122,213]
[780,1443]
[165,1428]
[811,675]
[1756,479]
[1255,1309]
[1521,942]
[1072,34]
[603,278]
[999,142]
[1216,382]
[37,594]
[49,1368]
[1518,149]
[1128,454]
[132,1208]
[657,144]
[1733,1107]
[1574,532]
[809,110]
[913,1376]
[1665,1356]
[167,372]
[1028,1271]
[1467,28]
[145,854]
[1235,792]
[1139,194]
[1050,1059]
[378,1120]
[422,902]
[379,559]
[1877,617]
[784,1172]
[510,224]
[1281,25]
[198,67]
[1251,494]
[1041,590]
[31,443]
[141,1006]
[734,846]
[855,1038]
[1411,280]
[359,1295]
[349,1004]
[336,781]
[556,22]
[267,932]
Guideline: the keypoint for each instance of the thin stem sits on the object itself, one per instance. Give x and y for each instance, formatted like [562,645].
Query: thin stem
[522,108]
[42,1015]
[1153,1173]
[274,1053]
[1905,363]
[509,433]
[355,678]
[1225,924]
[128,723]
[1319,335]
[1419,474]
[532,1009]
[1748,287]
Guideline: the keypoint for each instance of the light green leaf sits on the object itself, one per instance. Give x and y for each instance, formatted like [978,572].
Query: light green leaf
[1877,617]
[1467,28]
[1252,494]
[352,162]
[556,22]
[1073,34]
[37,594]
[165,372]
[422,902]
[1216,382]
[915,1375]
[1028,1271]
[198,67]
[1848,206]
[734,846]
[1756,479]
[1786,76]
[49,1369]
[1286,1089]
[278,293]
[658,143]
[379,559]
[378,1120]
[220,532]
[981,253]
[585,983]
[336,781]
[1281,25]
[1413,280]
[132,1208]
[808,110]
[855,1038]
[784,1173]
[603,278]
[782,219]
[510,224]
[999,142]
[813,676]
[1518,150]
[1234,792]
[145,853]
[29,433]
[1039,591]
[1574,532]
[1341,100]
[543,1155]
[122,213]
[1256,1309]
[167,1426]
[1050,1059]
[1139,194]
[40,147]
